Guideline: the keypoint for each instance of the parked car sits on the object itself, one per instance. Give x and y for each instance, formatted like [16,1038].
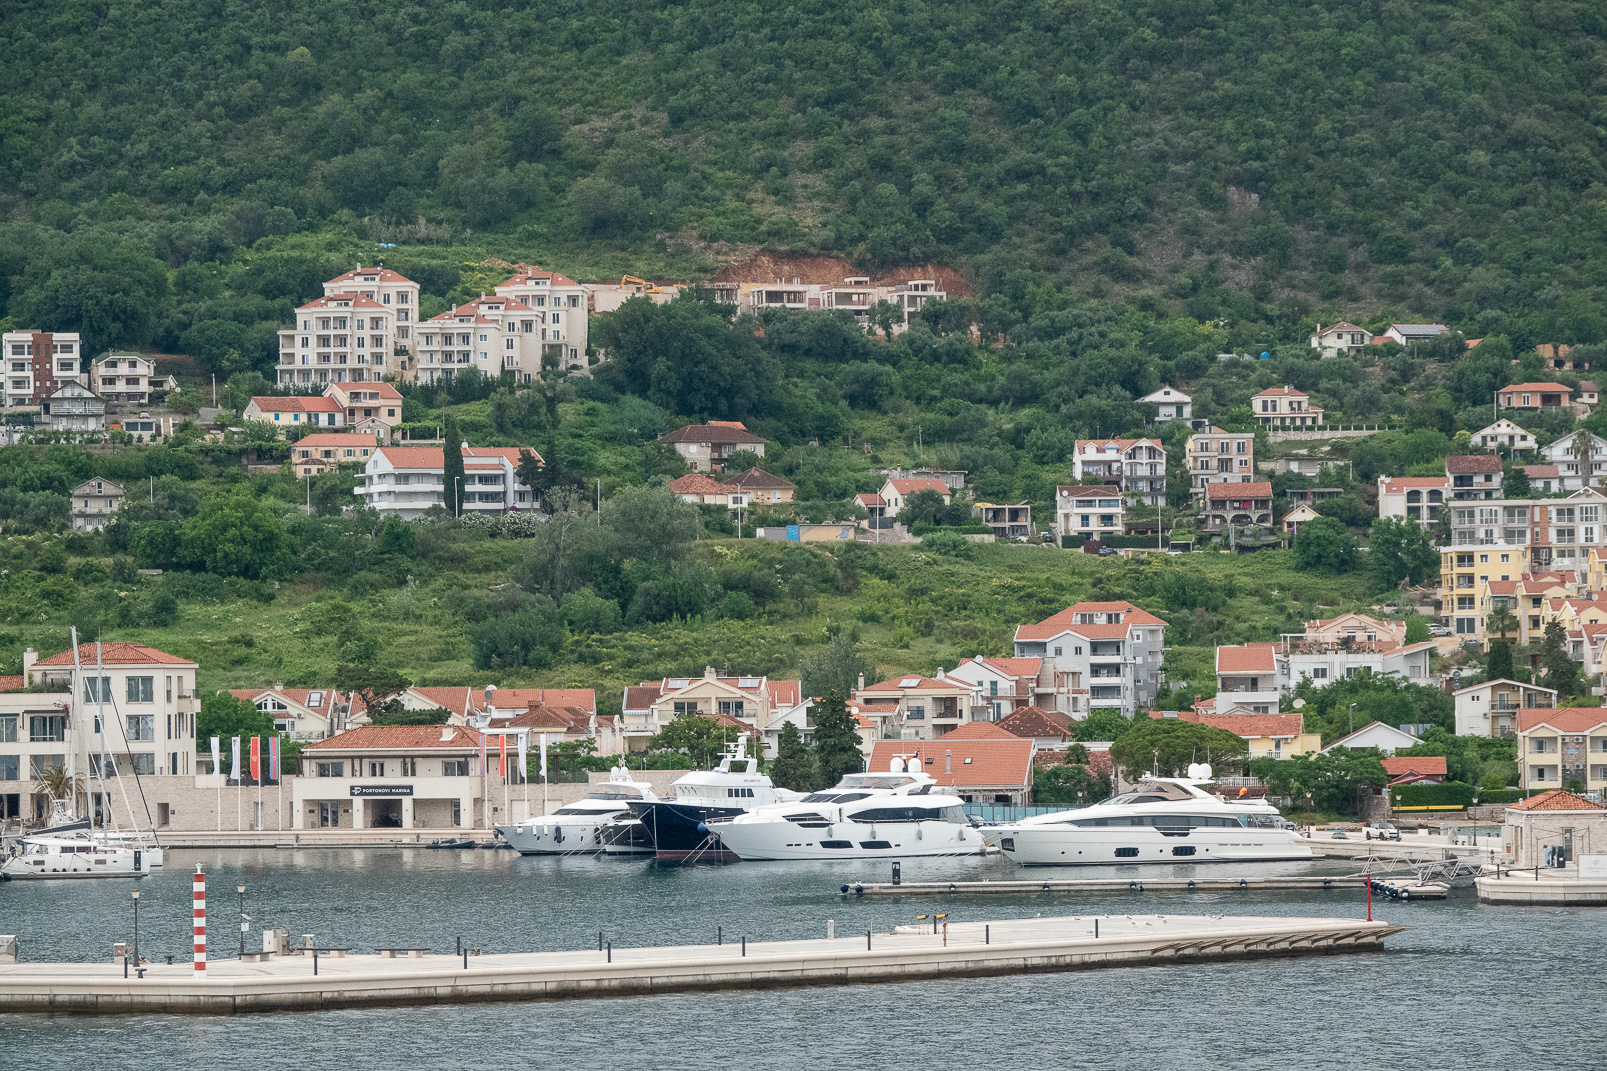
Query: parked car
[1439,630]
[1339,834]
[1382,831]
[1106,552]
[1048,537]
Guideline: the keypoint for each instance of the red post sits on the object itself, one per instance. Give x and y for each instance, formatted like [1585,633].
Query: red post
[199,908]
[1369,883]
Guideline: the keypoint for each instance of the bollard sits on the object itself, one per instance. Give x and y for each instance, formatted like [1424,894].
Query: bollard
[719,935]
[610,952]
[987,935]
[898,874]
[460,945]
[599,940]
[1096,928]
[315,963]
[867,940]
[945,935]
[744,945]
[831,929]
[465,953]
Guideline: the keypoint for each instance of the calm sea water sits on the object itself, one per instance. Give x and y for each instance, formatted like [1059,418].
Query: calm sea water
[1468,987]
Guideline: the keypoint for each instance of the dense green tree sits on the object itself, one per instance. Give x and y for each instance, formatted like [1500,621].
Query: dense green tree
[529,636]
[1561,671]
[795,765]
[452,481]
[836,740]
[1166,747]
[835,668]
[1334,781]
[373,688]
[1068,785]
[703,739]
[688,358]
[1102,725]
[222,715]
[233,535]
[1401,549]
[1417,629]
[1498,666]
[1324,545]
[109,290]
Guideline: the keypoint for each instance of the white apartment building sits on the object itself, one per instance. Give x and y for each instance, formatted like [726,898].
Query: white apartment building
[1217,456]
[1089,512]
[359,331]
[1562,744]
[1137,466]
[1257,675]
[1491,708]
[1417,498]
[1000,686]
[1581,459]
[487,336]
[93,503]
[1504,433]
[561,307]
[405,481]
[855,295]
[38,363]
[1283,407]
[124,377]
[371,408]
[1101,655]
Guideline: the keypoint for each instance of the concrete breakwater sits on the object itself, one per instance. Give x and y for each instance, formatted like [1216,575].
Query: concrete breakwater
[1012,946]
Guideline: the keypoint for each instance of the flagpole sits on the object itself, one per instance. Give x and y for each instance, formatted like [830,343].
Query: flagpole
[278,786]
[256,745]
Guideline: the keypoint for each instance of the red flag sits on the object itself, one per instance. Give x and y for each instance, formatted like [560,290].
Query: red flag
[502,767]
[256,758]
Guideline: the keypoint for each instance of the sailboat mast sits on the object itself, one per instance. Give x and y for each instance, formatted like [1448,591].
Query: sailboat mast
[100,721]
[74,722]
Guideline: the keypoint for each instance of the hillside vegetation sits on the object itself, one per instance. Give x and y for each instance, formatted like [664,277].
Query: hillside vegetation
[1251,161]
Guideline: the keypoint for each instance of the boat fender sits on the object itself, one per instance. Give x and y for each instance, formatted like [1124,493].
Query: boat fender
[951,887]
[859,888]
[702,827]
[918,831]
[1243,884]
[844,890]
[1191,883]
[557,834]
[1132,884]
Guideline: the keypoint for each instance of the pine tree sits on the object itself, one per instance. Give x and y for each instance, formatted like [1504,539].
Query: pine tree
[836,740]
[1498,666]
[452,485]
[1562,672]
[795,766]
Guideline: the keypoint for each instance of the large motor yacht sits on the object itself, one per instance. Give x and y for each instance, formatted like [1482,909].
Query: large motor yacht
[578,827]
[1163,820]
[894,814]
[82,853]
[679,826]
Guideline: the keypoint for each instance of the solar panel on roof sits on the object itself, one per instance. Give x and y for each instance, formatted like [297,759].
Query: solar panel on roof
[749,682]
[909,682]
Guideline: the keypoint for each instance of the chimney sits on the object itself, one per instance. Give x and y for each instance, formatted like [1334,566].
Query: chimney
[29,657]
[490,694]
[278,686]
[709,674]
[940,672]
[446,734]
[948,762]
[859,688]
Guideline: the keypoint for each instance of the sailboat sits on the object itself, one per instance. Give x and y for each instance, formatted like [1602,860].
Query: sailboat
[75,847]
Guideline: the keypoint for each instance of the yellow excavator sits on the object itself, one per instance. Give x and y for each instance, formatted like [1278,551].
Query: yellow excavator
[647,287]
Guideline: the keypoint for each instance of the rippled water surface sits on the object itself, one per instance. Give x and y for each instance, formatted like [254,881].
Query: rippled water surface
[1468,986]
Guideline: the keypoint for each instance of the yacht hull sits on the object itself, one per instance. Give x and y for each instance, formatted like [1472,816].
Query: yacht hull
[570,835]
[783,840]
[1049,846]
[680,832]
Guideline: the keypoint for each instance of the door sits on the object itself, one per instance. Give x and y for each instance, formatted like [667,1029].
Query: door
[328,815]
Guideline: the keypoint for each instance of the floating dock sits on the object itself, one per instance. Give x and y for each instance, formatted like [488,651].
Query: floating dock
[1012,946]
[1398,888]
[1552,887]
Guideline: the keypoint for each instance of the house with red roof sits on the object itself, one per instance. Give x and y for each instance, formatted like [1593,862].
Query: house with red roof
[1240,504]
[1268,736]
[897,491]
[1560,745]
[1342,337]
[487,336]
[914,707]
[405,481]
[296,412]
[757,703]
[1474,476]
[1553,828]
[402,777]
[359,331]
[1099,655]
[1001,685]
[1045,728]
[371,408]
[706,447]
[1415,769]
[758,487]
[983,769]
[1136,466]
[1285,407]
[1416,498]
[303,714]
[1533,397]
[700,490]
[326,451]
[562,308]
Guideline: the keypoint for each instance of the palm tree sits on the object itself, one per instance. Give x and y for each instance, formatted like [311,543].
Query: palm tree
[1500,620]
[58,784]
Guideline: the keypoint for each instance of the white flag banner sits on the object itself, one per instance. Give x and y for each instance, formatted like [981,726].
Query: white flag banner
[217,763]
[234,745]
[524,739]
[543,756]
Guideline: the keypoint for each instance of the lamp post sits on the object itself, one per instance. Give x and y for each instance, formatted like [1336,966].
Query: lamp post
[241,889]
[1475,824]
[457,502]
[135,896]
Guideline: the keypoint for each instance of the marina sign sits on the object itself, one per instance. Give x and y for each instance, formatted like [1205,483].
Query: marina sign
[382,790]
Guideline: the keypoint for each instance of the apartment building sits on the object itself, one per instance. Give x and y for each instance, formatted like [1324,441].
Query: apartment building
[1257,675]
[561,307]
[38,363]
[371,408]
[1088,512]
[913,707]
[1238,504]
[1533,397]
[1342,337]
[1101,655]
[1217,456]
[1559,532]
[855,295]
[94,502]
[1474,476]
[137,708]
[1170,404]
[487,336]
[1560,745]
[1464,570]
[405,481]
[1000,686]
[1491,708]
[1137,466]
[73,407]
[1253,676]
[124,377]
[751,703]
[1285,407]
[400,777]
[705,447]
[1416,498]
[303,714]
[294,412]
[1007,522]
[1581,460]
[1504,433]
[360,331]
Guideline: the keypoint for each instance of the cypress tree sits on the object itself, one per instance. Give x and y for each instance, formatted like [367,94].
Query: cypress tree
[794,766]
[836,740]
[1499,665]
[452,451]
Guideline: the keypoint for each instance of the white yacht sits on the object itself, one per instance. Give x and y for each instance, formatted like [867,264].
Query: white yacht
[679,825]
[78,854]
[895,814]
[1163,820]
[578,827]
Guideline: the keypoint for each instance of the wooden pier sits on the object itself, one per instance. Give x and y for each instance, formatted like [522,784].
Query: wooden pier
[1004,947]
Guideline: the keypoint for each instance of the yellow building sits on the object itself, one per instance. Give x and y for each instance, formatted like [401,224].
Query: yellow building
[1464,569]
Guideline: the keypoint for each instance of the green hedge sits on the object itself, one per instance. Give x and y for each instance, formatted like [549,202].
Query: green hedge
[1450,794]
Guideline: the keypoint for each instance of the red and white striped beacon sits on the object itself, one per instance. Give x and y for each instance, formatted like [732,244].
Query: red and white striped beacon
[200,920]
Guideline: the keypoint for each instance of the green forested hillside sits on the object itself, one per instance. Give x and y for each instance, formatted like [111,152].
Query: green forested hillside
[1251,161]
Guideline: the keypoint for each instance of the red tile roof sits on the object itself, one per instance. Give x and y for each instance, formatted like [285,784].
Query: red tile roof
[1036,723]
[1563,719]
[994,763]
[1556,799]
[340,301]
[13,684]
[1472,464]
[759,479]
[519,698]
[715,431]
[1247,726]
[338,438]
[1081,490]
[921,684]
[1249,658]
[272,404]
[401,738]
[1427,765]
[386,392]
[1015,667]
[923,483]
[1535,388]
[869,501]
[1258,489]
[432,457]
[1282,392]
[529,274]
[1394,485]
[361,274]
[541,716]
[1066,621]
[326,705]
[696,483]
[119,653]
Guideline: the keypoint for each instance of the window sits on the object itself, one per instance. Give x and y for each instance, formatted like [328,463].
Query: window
[1319,673]
[47,727]
[455,768]
[10,768]
[144,763]
[97,689]
[1126,853]
[331,769]
[409,768]
[376,769]
[141,727]
[141,689]
[8,731]
[685,707]
[731,707]
[915,713]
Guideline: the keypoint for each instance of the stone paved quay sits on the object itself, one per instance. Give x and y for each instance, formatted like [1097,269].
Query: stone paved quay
[973,948]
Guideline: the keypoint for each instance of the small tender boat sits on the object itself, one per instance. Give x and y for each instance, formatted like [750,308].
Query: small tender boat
[451,843]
